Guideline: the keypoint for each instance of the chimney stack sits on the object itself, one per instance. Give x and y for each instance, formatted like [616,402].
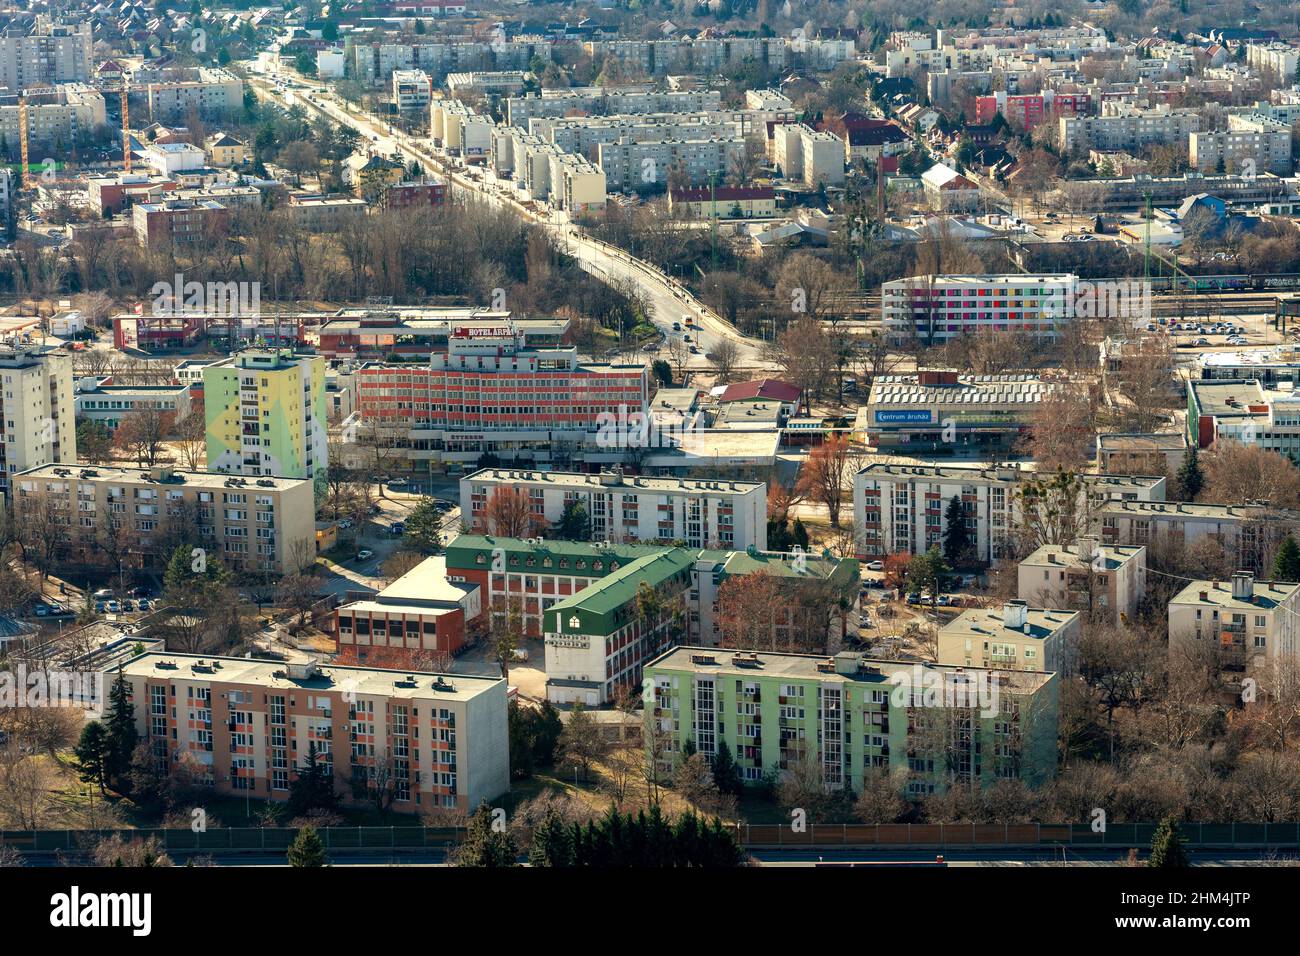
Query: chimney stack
[1014,614]
[1243,586]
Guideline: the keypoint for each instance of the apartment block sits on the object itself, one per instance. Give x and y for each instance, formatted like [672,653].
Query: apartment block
[37,411]
[266,414]
[1101,580]
[267,525]
[66,115]
[1128,129]
[50,53]
[823,157]
[1250,623]
[631,165]
[439,741]
[491,391]
[171,223]
[600,101]
[411,90]
[1012,636]
[937,308]
[1250,145]
[1278,58]
[599,639]
[1156,453]
[849,715]
[1248,534]
[901,508]
[209,91]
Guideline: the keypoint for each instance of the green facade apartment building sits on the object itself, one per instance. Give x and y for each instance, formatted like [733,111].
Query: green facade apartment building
[942,724]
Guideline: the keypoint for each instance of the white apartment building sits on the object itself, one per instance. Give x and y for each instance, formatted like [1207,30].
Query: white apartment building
[1252,623]
[210,91]
[1278,58]
[1097,579]
[1013,636]
[936,308]
[412,90]
[264,524]
[823,157]
[901,508]
[633,165]
[37,417]
[1251,144]
[620,101]
[1127,128]
[698,512]
[51,53]
[331,64]
[66,114]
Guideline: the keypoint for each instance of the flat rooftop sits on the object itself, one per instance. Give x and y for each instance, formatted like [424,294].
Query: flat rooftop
[1040,623]
[1232,398]
[188,479]
[749,665]
[969,390]
[275,675]
[425,584]
[1069,556]
[569,479]
[1265,595]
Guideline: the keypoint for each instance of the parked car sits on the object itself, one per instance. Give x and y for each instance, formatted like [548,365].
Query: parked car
[103,594]
[113,607]
[365,554]
[398,483]
[397,527]
[101,607]
[145,604]
[875,565]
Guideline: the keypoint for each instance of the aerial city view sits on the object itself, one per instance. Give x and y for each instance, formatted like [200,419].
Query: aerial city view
[768,435]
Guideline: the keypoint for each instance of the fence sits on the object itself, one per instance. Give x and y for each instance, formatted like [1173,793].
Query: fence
[902,835]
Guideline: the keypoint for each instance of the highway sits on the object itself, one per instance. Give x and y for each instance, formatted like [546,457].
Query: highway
[669,301]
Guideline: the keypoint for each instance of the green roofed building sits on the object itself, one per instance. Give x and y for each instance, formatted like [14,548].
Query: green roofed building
[934,725]
[598,639]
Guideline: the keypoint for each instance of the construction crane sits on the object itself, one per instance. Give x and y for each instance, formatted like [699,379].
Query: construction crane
[126,129]
[22,139]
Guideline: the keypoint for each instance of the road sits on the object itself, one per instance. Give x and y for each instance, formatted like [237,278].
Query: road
[668,299]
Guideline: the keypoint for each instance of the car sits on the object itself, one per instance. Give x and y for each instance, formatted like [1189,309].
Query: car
[139,592]
[345,523]
[677,326]
[875,565]
[913,597]
[103,594]
[365,554]
[113,607]
[101,607]
[144,604]
[1201,341]
[42,610]
[397,527]
[398,483]
[128,606]
[695,350]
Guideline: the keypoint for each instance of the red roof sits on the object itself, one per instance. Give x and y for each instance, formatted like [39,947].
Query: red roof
[772,389]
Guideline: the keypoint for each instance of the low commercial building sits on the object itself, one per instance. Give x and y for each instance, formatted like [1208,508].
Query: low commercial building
[1013,636]
[599,639]
[942,411]
[419,618]
[1134,454]
[848,715]
[1244,411]
[1101,580]
[1248,623]
[111,404]
[439,741]
[723,202]
[140,515]
[626,508]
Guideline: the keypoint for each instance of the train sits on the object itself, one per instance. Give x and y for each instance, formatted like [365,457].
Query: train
[1260,282]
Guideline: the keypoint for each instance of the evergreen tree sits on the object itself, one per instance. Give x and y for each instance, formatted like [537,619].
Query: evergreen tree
[91,753]
[1286,567]
[1167,850]
[521,741]
[307,849]
[574,523]
[547,728]
[313,788]
[725,772]
[552,842]
[956,536]
[484,844]
[120,734]
[424,527]
[1190,480]
[800,534]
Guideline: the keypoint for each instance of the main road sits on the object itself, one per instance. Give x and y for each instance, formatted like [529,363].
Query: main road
[669,301]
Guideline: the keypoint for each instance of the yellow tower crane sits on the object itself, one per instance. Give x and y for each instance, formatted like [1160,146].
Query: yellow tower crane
[126,130]
[22,139]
